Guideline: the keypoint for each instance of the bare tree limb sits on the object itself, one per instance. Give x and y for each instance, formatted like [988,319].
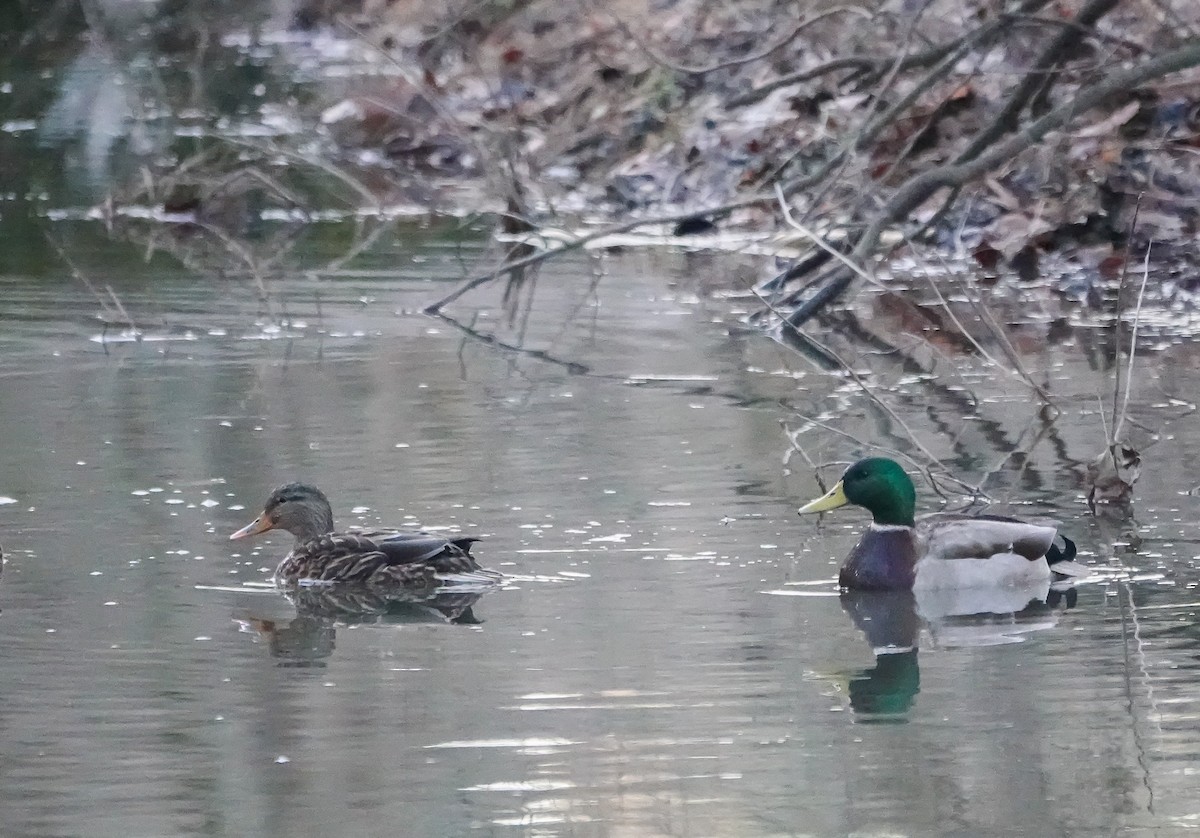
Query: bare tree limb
[921,187]
[581,241]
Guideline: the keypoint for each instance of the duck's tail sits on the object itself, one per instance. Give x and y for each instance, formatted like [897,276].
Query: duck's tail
[464,543]
[1062,558]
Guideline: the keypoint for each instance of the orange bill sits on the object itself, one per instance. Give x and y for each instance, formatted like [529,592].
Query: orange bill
[260,524]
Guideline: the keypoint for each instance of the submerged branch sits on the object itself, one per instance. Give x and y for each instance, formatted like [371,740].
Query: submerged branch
[586,239]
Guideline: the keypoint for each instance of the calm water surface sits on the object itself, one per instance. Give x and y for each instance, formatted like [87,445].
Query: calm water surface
[669,658]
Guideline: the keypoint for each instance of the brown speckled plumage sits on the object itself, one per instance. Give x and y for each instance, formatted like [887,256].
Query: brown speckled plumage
[376,558]
[373,558]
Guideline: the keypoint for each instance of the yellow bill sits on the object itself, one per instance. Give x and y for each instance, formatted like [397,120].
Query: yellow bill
[832,499]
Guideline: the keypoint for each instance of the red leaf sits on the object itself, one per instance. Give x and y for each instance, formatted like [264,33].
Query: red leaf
[1110,266]
[987,256]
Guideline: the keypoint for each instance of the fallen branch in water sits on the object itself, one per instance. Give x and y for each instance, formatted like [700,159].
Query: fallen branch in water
[923,186]
[587,238]
[931,458]
[112,310]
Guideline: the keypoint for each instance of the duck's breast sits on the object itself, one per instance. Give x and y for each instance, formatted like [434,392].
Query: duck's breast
[884,559]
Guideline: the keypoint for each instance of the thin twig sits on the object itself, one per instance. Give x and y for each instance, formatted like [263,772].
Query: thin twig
[746,59]
[581,241]
[1108,439]
[1117,421]
[924,468]
[112,295]
[849,62]
[895,417]
[106,309]
[309,159]
[1016,447]
[793,441]
[1010,351]
[961,328]
[819,241]
[406,72]
[1137,316]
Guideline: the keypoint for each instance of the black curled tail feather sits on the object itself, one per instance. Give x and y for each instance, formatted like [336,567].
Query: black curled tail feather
[1057,554]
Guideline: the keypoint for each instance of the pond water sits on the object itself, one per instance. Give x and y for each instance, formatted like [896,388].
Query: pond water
[670,656]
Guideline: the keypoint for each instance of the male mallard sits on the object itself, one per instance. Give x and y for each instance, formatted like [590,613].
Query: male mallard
[943,550]
[375,557]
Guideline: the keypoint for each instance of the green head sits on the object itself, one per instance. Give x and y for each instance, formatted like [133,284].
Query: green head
[876,483]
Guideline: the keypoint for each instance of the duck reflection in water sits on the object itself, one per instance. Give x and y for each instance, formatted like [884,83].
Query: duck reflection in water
[357,577]
[896,622]
[309,638]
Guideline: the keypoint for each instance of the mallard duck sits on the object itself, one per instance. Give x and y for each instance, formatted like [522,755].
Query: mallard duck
[367,557]
[942,550]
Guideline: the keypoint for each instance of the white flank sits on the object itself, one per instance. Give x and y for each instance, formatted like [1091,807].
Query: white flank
[1000,569]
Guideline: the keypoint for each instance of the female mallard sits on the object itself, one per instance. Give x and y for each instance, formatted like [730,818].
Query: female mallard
[943,550]
[374,557]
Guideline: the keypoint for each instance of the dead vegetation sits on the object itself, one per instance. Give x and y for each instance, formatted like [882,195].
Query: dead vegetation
[990,143]
[1015,132]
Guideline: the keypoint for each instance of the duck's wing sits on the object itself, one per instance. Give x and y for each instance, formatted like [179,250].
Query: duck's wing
[445,555]
[384,557]
[334,557]
[952,536]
